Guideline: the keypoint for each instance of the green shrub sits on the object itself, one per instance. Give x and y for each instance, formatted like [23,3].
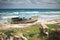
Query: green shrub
[31,34]
[52,25]
[8,32]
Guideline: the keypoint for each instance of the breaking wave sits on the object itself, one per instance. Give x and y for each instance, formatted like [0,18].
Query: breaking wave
[41,15]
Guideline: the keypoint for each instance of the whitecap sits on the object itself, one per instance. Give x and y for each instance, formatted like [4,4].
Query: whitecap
[5,17]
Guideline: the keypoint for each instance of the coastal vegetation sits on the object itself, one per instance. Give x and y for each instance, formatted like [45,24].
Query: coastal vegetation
[31,33]
[52,26]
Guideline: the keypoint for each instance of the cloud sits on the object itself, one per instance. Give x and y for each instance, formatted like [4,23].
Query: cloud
[11,1]
[30,4]
[51,1]
[30,1]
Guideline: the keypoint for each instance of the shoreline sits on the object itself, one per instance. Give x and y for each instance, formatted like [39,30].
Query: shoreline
[8,26]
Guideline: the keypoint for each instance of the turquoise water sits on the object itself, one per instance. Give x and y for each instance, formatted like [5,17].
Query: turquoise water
[45,14]
[30,10]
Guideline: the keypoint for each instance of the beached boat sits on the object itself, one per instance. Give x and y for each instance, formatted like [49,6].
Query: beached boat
[17,20]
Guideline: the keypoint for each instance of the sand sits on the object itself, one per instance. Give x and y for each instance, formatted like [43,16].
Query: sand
[8,26]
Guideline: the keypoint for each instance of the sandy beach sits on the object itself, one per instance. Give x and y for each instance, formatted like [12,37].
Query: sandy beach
[47,21]
[8,26]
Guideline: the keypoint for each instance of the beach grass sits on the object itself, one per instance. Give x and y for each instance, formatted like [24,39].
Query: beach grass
[32,32]
[52,25]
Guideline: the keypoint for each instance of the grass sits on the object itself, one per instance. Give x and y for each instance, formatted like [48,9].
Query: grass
[32,32]
[52,25]
[33,28]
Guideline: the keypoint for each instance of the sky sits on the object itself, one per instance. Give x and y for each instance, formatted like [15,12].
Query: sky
[32,4]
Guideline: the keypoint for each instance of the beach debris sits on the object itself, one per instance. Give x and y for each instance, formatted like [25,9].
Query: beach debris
[43,30]
[3,36]
[12,36]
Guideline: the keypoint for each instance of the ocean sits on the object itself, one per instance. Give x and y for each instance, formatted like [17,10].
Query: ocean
[44,14]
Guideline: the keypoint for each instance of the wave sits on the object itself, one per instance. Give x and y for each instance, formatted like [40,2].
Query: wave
[42,15]
[42,12]
[34,12]
[5,17]
[9,13]
[50,15]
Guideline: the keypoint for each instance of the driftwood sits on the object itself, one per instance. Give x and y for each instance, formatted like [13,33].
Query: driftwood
[24,38]
[43,30]
[12,36]
[3,36]
[18,37]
